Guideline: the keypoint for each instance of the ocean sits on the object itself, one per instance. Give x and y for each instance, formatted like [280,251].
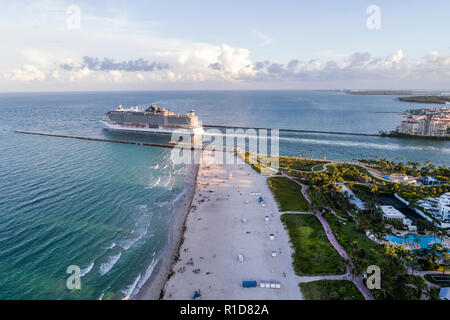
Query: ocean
[107,207]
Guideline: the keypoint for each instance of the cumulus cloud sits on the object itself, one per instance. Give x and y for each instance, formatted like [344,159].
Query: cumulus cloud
[275,68]
[215,66]
[293,64]
[26,73]
[107,64]
[211,63]
[358,66]
[358,58]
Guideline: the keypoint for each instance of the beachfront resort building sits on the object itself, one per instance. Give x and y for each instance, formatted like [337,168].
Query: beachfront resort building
[431,181]
[427,122]
[438,207]
[402,178]
[392,214]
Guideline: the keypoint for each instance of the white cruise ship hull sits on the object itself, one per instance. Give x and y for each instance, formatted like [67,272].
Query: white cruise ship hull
[160,130]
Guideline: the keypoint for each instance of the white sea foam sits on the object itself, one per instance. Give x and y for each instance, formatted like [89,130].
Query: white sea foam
[146,276]
[111,246]
[86,270]
[112,260]
[169,180]
[128,243]
[344,143]
[154,184]
[129,290]
[162,204]
[362,144]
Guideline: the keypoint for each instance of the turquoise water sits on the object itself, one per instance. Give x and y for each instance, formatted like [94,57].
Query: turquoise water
[107,207]
[423,241]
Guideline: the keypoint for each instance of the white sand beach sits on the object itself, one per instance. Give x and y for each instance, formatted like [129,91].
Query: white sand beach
[227,220]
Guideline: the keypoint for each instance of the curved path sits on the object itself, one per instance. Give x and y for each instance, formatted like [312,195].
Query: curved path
[357,280]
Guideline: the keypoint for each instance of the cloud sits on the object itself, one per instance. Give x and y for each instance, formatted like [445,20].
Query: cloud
[116,75]
[215,66]
[356,67]
[293,64]
[395,57]
[107,64]
[275,68]
[358,59]
[206,63]
[26,73]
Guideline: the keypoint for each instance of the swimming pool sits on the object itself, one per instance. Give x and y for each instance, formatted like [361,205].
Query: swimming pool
[423,241]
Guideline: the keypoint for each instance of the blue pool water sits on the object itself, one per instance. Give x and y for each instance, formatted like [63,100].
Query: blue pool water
[423,241]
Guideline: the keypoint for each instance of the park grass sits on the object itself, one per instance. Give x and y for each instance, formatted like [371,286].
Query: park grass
[362,250]
[318,167]
[288,194]
[330,290]
[298,163]
[313,253]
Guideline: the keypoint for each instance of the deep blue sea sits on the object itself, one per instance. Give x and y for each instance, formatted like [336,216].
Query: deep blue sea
[107,207]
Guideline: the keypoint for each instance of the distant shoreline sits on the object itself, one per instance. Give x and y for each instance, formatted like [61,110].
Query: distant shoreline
[387,92]
[431,99]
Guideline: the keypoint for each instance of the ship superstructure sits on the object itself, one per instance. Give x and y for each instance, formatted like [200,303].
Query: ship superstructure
[153,119]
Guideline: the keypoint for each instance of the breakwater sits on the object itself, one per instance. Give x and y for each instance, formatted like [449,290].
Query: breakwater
[150,144]
[291,130]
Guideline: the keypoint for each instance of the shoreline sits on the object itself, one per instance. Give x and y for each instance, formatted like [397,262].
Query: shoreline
[226,239]
[154,286]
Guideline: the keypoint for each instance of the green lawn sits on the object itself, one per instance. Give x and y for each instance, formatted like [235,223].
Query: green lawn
[298,163]
[288,194]
[330,290]
[313,253]
[363,251]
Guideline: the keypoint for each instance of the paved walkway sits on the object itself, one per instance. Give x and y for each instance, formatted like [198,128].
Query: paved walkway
[358,281]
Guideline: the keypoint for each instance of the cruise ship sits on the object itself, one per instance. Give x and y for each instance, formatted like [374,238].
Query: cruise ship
[153,120]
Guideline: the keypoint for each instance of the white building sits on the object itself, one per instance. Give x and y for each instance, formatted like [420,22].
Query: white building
[444,207]
[430,122]
[438,207]
[390,213]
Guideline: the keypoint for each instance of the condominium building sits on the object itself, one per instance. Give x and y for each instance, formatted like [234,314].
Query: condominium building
[438,207]
[444,207]
[427,122]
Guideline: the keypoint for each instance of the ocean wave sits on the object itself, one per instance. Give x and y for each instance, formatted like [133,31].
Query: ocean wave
[146,276]
[129,290]
[128,243]
[162,203]
[151,186]
[111,246]
[105,267]
[348,143]
[169,180]
[86,270]
[344,143]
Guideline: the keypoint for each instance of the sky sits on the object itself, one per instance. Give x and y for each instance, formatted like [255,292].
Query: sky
[224,45]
